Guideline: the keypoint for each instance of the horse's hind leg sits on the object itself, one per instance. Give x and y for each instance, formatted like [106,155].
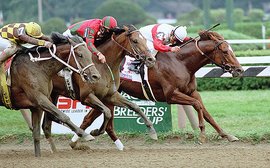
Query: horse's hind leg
[27,117]
[118,100]
[36,117]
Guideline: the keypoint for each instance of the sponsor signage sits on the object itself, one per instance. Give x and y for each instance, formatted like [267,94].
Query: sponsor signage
[125,120]
[76,111]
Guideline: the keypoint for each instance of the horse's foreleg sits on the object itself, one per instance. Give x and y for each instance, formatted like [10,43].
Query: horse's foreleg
[95,103]
[177,97]
[120,101]
[36,117]
[211,120]
[48,106]
[111,133]
[88,119]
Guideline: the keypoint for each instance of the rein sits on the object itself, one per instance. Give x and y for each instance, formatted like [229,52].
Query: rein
[225,67]
[80,70]
[135,53]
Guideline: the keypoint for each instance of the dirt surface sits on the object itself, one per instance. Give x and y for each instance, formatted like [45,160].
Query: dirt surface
[137,153]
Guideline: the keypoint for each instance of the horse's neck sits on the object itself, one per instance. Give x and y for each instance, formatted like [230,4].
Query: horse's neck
[55,66]
[114,54]
[193,59]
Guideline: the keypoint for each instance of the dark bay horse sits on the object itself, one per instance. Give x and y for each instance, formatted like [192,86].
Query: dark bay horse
[103,93]
[173,78]
[31,82]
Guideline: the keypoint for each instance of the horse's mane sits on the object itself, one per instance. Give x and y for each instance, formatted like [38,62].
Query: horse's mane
[210,35]
[108,35]
[58,38]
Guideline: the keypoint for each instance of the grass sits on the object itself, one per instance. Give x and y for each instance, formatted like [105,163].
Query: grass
[245,114]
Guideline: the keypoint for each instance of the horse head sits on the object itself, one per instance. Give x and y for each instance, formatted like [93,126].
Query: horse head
[222,54]
[79,57]
[137,47]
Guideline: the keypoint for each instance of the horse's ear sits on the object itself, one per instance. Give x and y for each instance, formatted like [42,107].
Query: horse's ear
[212,37]
[71,41]
[117,30]
[125,28]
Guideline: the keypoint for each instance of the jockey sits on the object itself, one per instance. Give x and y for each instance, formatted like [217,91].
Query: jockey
[90,30]
[161,37]
[13,35]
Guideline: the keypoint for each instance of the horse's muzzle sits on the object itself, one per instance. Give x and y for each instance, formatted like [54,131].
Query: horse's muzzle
[92,78]
[150,62]
[237,72]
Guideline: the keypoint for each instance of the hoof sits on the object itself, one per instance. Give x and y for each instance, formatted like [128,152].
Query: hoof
[72,144]
[153,134]
[95,132]
[88,137]
[202,138]
[119,145]
[232,138]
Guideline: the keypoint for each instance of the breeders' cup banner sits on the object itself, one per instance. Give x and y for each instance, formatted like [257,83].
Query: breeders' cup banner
[125,120]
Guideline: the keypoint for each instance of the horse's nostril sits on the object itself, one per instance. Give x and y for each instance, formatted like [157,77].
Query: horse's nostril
[95,77]
[151,59]
[239,70]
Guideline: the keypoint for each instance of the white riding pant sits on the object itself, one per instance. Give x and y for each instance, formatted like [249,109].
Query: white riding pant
[150,46]
[4,43]
[67,33]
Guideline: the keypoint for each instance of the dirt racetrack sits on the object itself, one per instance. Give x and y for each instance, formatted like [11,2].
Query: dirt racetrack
[169,153]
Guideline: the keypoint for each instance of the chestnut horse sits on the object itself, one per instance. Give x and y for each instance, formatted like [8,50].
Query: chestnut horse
[128,42]
[31,79]
[173,79]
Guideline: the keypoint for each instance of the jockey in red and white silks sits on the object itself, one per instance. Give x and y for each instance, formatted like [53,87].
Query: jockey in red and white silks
[160,36]
[91,29]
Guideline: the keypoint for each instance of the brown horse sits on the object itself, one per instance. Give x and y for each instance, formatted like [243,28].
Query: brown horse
[173,78]
[31,82]
[128,42]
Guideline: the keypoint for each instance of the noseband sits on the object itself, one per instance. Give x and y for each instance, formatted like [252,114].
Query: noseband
[224,66]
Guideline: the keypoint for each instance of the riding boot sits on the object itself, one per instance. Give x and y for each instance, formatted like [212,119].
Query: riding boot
[135,66]
[2,68]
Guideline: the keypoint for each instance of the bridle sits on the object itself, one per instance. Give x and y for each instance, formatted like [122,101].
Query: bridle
[138,55]
[226,67]
[80,70]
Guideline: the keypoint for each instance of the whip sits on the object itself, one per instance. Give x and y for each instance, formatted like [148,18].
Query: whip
[199,35]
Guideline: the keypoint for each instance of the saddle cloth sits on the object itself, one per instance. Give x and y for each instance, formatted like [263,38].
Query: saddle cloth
[126,74]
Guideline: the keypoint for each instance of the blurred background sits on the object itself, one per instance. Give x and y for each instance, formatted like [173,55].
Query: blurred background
[242,19]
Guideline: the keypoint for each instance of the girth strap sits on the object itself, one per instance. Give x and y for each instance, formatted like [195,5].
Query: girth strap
[147,91]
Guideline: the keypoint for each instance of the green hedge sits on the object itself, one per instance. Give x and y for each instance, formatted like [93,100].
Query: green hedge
[246,83]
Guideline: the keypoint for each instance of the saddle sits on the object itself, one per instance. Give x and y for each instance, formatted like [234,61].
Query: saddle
[137,73]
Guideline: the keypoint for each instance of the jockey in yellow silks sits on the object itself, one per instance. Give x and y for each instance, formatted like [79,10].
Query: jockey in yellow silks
[13,35]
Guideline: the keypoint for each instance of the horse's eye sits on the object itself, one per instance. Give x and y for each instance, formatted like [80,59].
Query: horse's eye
[80,55]
[135,41]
